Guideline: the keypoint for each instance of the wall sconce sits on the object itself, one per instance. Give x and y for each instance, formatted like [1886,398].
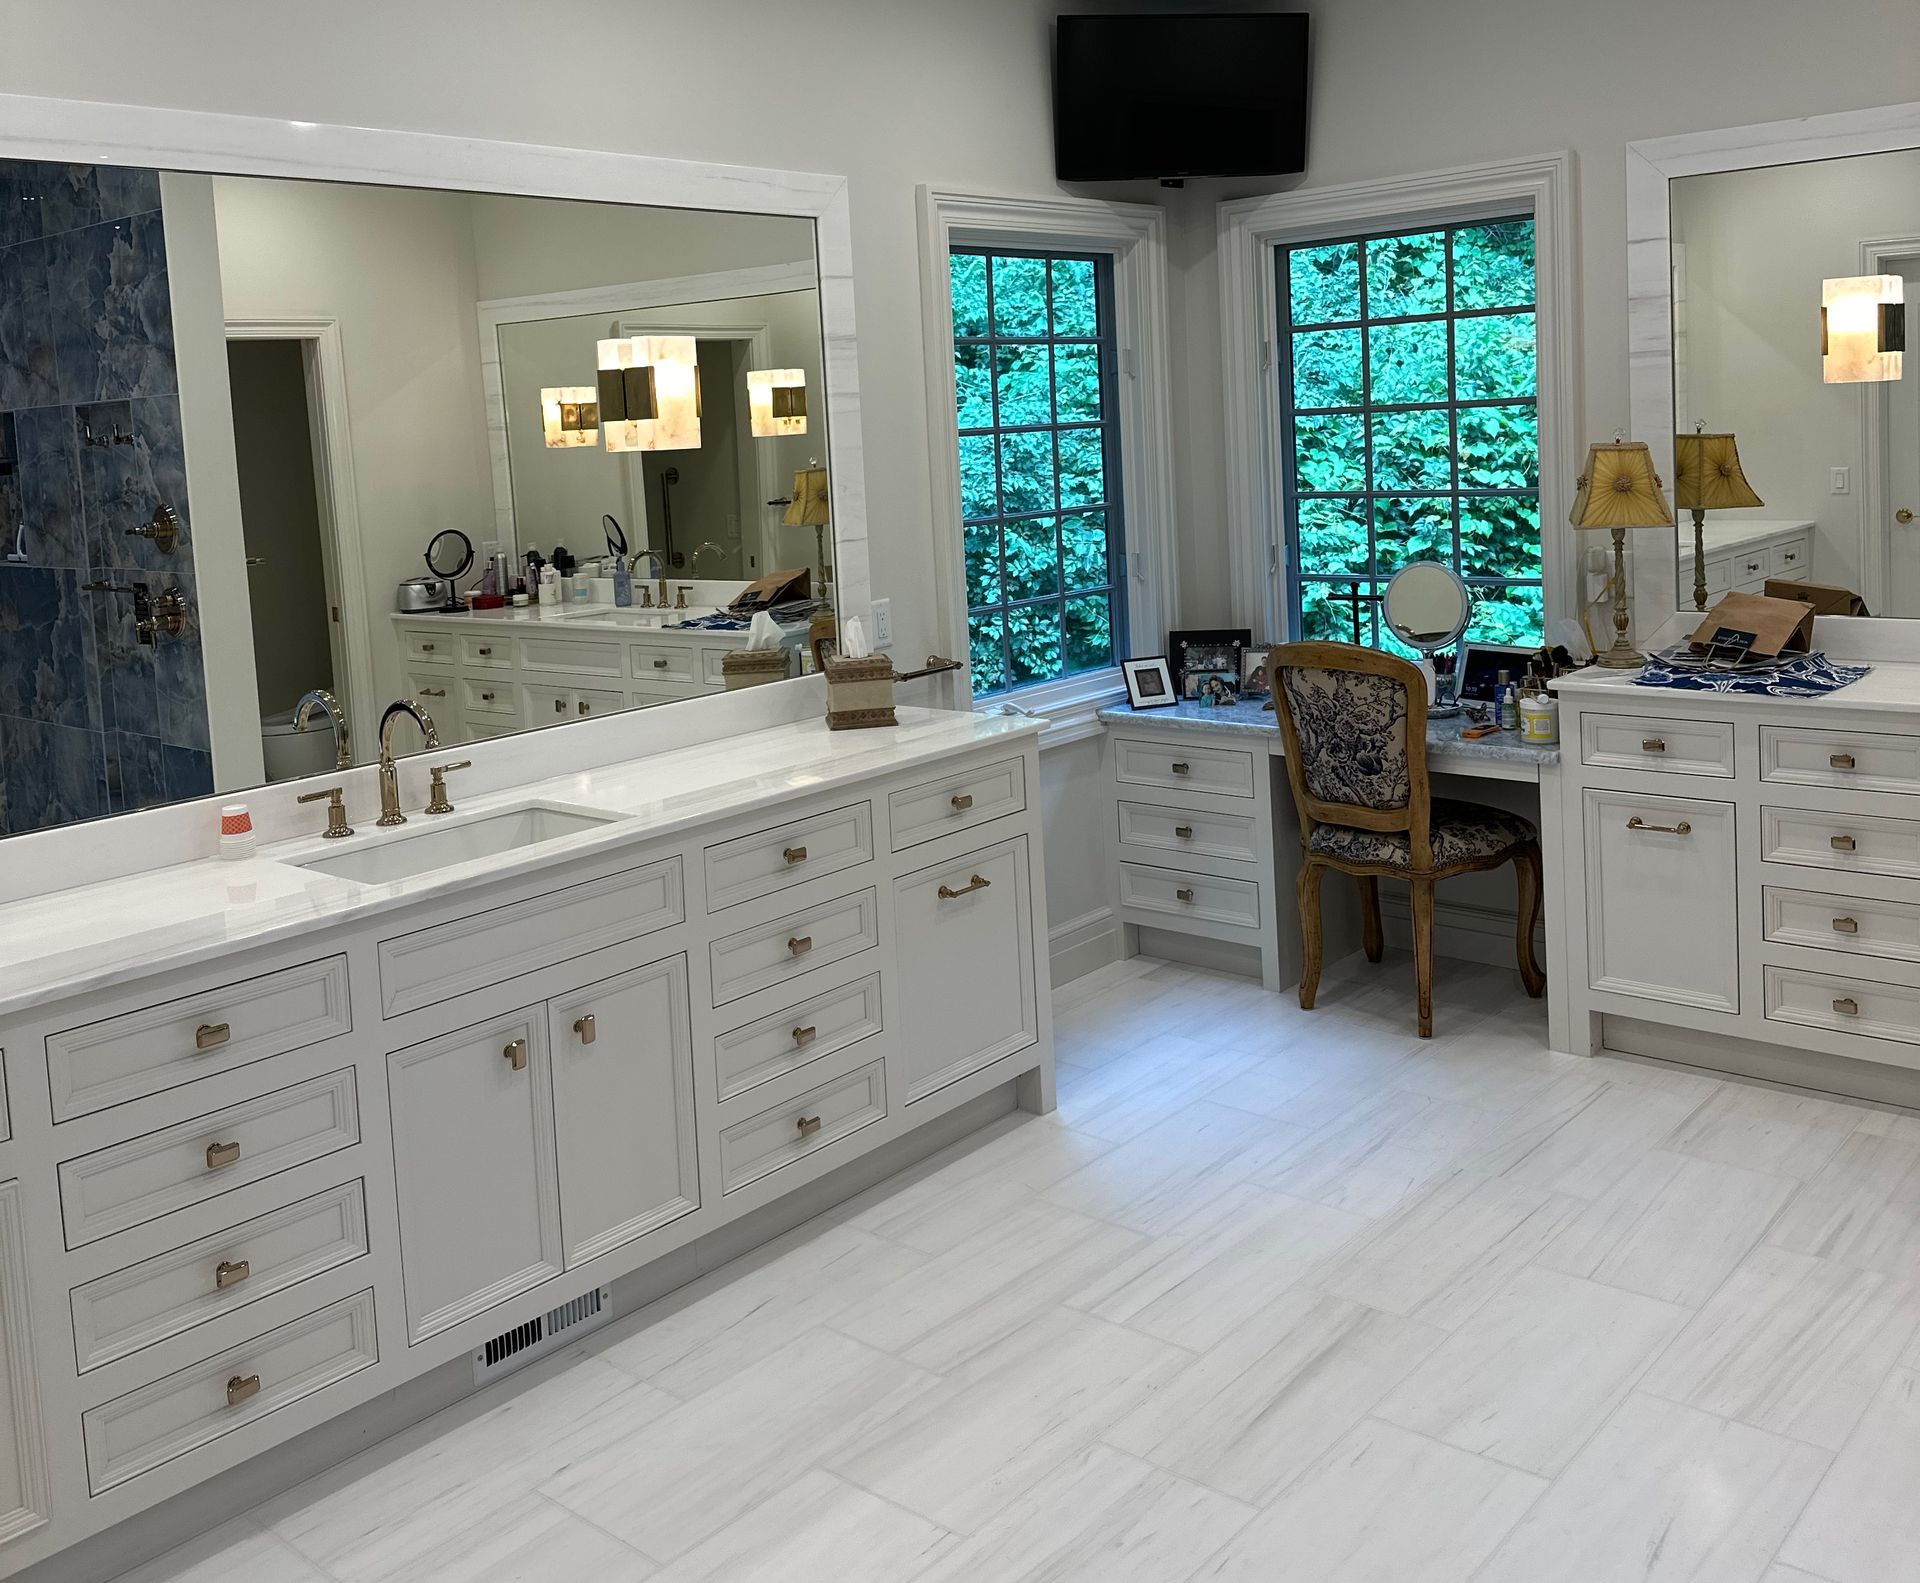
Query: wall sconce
[1863,328]
[650,393]
[570,415]
[628,394]
[777,401]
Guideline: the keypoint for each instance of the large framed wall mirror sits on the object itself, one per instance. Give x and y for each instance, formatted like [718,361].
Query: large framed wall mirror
[266,436]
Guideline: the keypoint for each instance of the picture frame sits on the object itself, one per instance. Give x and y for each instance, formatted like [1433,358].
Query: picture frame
[1480,666]
[1254,682]
[1210,651]
[1149,682]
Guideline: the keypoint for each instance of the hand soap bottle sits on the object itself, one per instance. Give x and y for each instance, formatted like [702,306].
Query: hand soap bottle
[622,582]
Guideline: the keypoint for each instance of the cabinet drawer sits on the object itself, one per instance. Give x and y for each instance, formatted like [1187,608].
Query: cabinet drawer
[438,695]
[575,656]
[791,1038]
[158,1047]
[1228,771]
[1203,896]
[597,701]
[1858,925]
[772,953]
[1644,742]
[430,648]
[1845,1005]
[750,1149]
[802,849]
[546,705]
[149,1176]
[1850,760]
[489,653]
[663,662]
[487,695]
[136,1433]
[956,802]
[1719,575]
[1749,569]
[1661,900]
[451,959]
[1173,831]
[712,667]
[1788,559]
[1856,843]
[162,1296]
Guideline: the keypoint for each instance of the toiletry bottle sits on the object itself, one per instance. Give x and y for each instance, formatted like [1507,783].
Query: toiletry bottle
[1539,716]
[622,583]
[549,586]
[1509,697]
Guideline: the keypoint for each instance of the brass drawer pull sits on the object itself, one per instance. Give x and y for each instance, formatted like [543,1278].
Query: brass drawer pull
[242,1388]
[795,854]
[1841,843]
[516,1055]
[587,1028]
[799,944]
[486,698]
[1183,894]
[802,1037]
[1846,926]
[1682,828]
[961,801]
[808,1125]
[1653,745]
[426,648]
[1184,831]
[221,1155]
[433,692]
[1841,761]
[977,882]
[1181,768]
[211,1035]
[484,651]
[1847,1006]
[661,665]
[228,1273]
[559,706]
[585,706]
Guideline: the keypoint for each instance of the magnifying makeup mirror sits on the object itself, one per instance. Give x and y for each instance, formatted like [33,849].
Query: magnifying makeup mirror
[616,535]
[1427,607]
[449,555]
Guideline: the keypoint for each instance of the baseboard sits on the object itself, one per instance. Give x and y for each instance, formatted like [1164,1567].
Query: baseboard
[1460,930]
[1202,951]
[1082,944]
[1724,1055]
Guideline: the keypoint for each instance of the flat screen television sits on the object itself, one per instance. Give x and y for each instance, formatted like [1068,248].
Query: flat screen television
[1199,94]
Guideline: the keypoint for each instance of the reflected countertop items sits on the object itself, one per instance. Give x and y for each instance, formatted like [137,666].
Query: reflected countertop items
[585,618]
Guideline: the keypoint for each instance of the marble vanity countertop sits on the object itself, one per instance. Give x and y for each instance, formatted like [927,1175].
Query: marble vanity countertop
[96,936]
[1891,687]
[1445,744]
[581,618]
[1723,533]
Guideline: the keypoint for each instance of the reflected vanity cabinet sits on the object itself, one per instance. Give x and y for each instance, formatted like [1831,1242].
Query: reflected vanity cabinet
[242,1198]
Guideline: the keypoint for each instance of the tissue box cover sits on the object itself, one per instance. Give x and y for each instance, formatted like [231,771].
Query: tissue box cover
[859,692]
[750,667]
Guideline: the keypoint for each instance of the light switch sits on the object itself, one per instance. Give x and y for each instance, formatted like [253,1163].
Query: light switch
[1840,480]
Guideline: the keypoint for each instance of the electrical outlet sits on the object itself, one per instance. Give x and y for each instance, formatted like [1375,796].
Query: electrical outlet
[883,623]
[1839,480]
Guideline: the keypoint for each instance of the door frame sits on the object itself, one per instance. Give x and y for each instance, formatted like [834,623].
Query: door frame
[1876,558]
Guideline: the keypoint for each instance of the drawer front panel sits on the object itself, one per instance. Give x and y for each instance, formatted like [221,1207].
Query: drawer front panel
[1180,767]
[1844,1005]
[956,802]
[1173,831]
[1851,761]
[597,701]
[438,695]
[574,656]
[1643,742]
[160,1297]
[1847,843]
[1788,559]
[547,705]
[146,1177]
[1203,896]
[772,953]
[159,1047]
[487,695]
[435,648]
[803,849]
[136,1433]
[489,653]
[663,662]
[712,667]
[1749,569]
[787,1040]
[751,1149]
[450,959]
[1854,924]
[1661,900]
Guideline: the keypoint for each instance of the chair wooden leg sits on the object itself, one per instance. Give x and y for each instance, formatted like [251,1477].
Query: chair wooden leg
[1310,872]
[1526,868]
[1423,951]
[1374,941]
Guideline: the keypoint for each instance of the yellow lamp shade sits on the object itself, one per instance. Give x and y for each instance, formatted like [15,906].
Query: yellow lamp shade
[1707,476]
[811,506]
[777,401]
[570,416]
[1862,328]
[1620,489]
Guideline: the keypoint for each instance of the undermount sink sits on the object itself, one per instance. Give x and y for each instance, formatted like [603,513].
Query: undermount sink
[393,857]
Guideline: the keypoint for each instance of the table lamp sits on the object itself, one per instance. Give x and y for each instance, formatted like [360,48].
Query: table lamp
[1620,490]
[1707,477]
[810,507]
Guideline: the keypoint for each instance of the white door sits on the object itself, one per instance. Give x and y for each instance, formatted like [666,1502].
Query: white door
[23,1461]
[623,1107]
[473,1158]
[1903,473]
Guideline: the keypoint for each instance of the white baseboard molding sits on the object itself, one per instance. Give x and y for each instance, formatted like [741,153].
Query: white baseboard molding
[1460,930]
[1199,950]
[1082,944]
[1723,1055]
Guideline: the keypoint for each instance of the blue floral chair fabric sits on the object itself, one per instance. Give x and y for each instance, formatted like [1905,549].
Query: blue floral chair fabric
[1460,832]
[1353,735]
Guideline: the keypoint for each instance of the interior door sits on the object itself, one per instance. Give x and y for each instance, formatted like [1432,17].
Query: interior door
[1903,477]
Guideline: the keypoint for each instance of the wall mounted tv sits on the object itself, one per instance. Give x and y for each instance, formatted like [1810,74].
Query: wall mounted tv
[1196,94]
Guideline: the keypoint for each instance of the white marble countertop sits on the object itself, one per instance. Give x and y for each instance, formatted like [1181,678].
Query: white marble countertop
[584,618]
[1722,533]
[87,939]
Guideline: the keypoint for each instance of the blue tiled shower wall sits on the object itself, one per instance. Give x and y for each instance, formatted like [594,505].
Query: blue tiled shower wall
[91,720]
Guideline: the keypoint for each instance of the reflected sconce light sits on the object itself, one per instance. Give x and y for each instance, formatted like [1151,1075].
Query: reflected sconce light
[650,393]
[777,401]
[1863,328]
[1707,477]
[1620,490]
[628,394]
[570,415]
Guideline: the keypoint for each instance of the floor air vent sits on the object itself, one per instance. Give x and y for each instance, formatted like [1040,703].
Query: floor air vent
[516,1348]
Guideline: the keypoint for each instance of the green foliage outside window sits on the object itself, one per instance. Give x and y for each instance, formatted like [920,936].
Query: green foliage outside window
[1413,431]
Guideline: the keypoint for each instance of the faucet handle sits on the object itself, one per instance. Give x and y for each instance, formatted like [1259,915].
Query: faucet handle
[437,801]
[337,825]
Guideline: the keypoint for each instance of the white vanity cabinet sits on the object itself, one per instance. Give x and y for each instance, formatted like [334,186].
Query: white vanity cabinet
[23,1454]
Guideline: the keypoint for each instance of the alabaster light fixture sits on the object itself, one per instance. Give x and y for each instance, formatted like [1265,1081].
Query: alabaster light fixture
[1707,477]
[1863,328]
[628,393]
[777,401]
[674,360]
[1620,490]
[570,416]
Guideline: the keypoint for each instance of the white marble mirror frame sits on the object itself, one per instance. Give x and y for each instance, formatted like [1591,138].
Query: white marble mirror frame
[1651,166]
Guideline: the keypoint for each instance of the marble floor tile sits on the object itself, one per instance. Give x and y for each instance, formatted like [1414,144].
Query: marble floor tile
[1785,1574]
[236,1552]
[1384,1506]
[1863,1523]
[1586,1153]
[1673,1227]
[1255,1411]
[1370,1161]
[1134,1092]
[1791,1343]
[1495,1072]
[998,1424]
[1536,1370]
[1863,1208]
[1663,1494]
[1103,1517]
[525,1539]
[1764,1129]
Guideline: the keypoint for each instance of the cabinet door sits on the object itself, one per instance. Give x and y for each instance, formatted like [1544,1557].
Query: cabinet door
[964,934]
[23,1462]
[623,1107]
[473,1155]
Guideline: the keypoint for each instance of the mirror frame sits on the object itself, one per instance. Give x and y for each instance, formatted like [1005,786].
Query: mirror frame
[76,131]
[1652,165]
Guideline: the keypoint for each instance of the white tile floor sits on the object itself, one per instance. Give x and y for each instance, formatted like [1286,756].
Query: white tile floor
[1275,1296]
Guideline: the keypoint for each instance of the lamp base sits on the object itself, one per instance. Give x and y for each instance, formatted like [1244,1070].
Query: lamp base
[1620,658]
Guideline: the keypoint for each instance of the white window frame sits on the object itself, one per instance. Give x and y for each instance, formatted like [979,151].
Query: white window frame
[1133,236]
[1251,233]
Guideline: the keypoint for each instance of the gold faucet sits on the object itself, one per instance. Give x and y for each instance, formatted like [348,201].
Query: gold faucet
[329,706]
[390,813]
[660,571]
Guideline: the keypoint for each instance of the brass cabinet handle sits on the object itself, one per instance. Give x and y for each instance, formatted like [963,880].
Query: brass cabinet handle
[661,665]
[799,944]
[1841,843]
[961,801]
[1841,761]
[1682,828]
[1653,745]
[486,698]
[587,1028]
[802,1037]
[977,882]
[584,706]
[1846,926]
[484,651]
[559,706]
[231,1273]
[211,1035]
[1181,768]
[242,1388]
[221,1155]
[433,692]
[426,648]
[808,1125]
[795,854]
[516,1055]
[1847,1006]
[1904,515]
[1183,894]
[1184,831]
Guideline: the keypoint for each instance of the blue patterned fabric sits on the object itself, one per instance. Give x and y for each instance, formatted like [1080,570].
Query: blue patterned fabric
[1803,676]
[1352,727]
[1458,832]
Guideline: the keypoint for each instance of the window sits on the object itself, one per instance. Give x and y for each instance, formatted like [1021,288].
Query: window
[1408,383]
[1034,374]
